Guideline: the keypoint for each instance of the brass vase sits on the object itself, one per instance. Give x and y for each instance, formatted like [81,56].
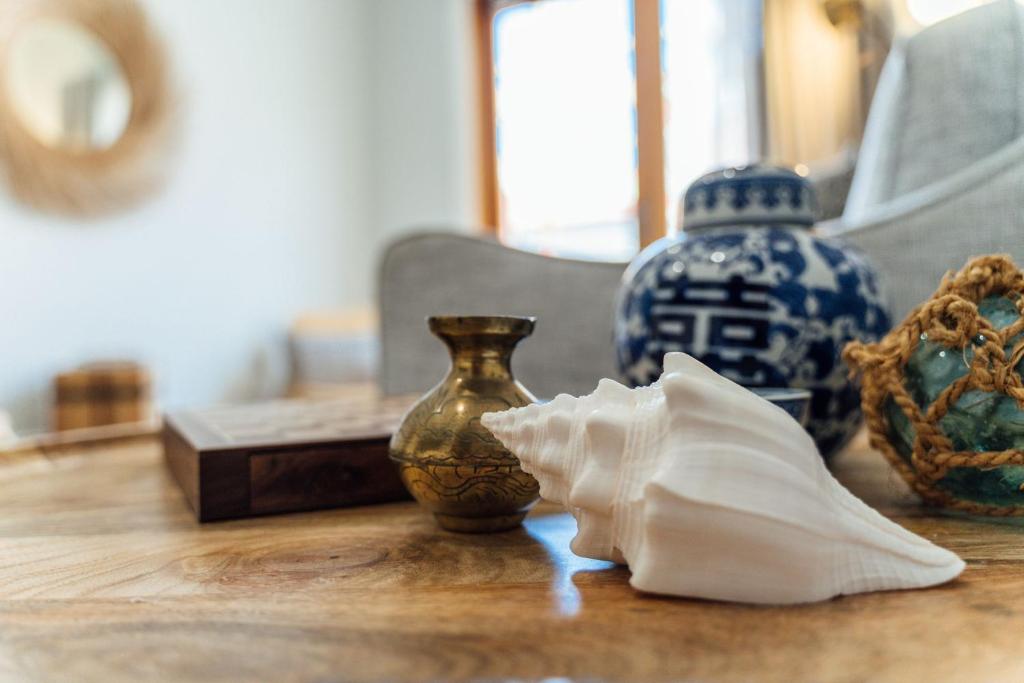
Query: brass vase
[449,461]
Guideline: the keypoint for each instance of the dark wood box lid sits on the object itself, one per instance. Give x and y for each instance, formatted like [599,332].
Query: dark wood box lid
[291,422]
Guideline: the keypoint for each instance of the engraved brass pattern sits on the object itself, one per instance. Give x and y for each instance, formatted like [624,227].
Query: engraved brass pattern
[450,462]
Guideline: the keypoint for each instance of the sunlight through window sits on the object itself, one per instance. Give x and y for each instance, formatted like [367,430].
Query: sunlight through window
[712,51]
[566,132]
[565,98]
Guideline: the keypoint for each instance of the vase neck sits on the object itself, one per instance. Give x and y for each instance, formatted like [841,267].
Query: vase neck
[481,358]
[481,346]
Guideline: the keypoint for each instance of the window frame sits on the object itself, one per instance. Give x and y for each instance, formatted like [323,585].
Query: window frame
[650,134]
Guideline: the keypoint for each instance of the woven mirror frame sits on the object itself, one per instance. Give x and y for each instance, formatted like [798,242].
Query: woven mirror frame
[92,182]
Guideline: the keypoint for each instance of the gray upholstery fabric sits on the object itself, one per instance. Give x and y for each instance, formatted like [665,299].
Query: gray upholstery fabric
[962,98]
[913,248]
[831,180]
[950,96]
[440,273]
[940,176]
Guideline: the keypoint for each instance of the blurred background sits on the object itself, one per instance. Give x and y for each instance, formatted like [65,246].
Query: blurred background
[212,206]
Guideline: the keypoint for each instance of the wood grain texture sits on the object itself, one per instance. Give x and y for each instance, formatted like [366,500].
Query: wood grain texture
[105,576]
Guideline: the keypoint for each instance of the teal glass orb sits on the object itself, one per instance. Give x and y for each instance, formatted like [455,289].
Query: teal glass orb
[979,420]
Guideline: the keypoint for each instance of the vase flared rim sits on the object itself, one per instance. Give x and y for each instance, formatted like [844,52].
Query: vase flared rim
[457,325]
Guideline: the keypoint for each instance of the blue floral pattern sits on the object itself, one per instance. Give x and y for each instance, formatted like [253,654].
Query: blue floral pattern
[765,305]
[739,193]
[749,195]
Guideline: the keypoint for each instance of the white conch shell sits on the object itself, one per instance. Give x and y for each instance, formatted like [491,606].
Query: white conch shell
[707,490]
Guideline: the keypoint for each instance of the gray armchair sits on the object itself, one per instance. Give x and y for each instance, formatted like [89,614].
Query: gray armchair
[940,176]
[442,273]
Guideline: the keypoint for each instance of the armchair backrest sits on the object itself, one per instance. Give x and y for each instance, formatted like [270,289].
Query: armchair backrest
[442,273]
[948,97]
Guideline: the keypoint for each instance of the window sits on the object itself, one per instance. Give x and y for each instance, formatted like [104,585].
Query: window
[603,111]
[711,84]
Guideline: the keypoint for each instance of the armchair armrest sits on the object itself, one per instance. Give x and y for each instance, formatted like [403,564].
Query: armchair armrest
[914,239]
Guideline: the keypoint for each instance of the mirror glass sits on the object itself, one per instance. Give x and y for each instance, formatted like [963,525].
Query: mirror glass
[66,87]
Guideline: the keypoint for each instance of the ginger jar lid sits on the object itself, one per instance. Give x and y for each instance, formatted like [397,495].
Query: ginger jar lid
[749,195]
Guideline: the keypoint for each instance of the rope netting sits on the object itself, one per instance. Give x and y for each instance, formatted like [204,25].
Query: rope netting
[949,318]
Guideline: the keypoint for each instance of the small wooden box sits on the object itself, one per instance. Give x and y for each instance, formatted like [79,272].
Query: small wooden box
[285,456]
[101,394]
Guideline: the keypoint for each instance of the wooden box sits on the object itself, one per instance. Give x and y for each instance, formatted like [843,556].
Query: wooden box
[285,456]
[101,394]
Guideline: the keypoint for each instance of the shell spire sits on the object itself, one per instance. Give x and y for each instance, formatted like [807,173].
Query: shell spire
[707,490]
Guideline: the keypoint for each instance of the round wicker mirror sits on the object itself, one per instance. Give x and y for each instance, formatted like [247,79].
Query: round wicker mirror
[85,104]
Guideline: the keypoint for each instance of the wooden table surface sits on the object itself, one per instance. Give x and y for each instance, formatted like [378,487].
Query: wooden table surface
[104,576]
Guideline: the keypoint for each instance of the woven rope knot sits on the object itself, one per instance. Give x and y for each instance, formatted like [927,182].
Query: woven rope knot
[951,319]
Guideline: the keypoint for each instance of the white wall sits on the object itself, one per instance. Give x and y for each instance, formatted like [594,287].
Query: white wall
[314,131]
[200,282]
[424,121]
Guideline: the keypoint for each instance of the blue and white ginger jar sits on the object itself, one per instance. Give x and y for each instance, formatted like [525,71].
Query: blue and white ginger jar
[752,293]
